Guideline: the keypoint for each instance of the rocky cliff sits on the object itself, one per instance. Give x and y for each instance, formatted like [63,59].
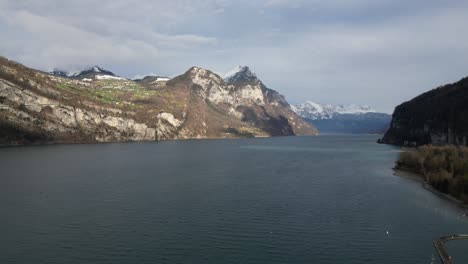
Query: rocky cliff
[439,117]
[37,107]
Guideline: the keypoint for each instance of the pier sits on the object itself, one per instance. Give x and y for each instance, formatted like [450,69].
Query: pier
[439,245]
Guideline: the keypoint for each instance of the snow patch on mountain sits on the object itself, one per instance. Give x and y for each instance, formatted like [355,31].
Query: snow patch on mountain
[233,72]
[62,73]
[94,70]
[108,77]
[240,74]
[157,78]
[317,111]
[162,79]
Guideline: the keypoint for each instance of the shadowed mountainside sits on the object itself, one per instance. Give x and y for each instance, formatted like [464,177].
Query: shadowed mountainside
[439,116]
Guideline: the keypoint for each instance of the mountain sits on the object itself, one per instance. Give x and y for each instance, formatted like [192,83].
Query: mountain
[36,107]
[241,74]
[350,119]
[59,73]
[151,81]
[264,107]
[438,117]
[95,72]
[317,111]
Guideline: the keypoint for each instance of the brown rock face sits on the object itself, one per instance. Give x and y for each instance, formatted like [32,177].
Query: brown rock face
[36,107]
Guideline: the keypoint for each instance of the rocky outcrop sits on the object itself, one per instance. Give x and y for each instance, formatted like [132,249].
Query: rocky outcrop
[439,117]
[36,107]
[28,109]
[264,107]
[245,98]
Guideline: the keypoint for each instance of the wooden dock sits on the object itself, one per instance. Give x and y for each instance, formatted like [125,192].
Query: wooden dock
[439,245]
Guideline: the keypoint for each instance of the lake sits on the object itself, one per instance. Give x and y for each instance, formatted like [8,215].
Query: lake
[325,199]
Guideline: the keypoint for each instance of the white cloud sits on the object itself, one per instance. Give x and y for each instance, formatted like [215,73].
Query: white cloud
[382,64]
[377,52]
[74,43]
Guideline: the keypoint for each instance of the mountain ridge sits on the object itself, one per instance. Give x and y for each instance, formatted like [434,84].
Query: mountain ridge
[47,108]
[349,119]
[241,74]
[94,72]
[318,111]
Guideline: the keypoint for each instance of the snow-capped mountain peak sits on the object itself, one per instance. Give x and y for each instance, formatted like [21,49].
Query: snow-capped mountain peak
[94,72]
[240,74]
[60,73]
[317,111]
[234,71]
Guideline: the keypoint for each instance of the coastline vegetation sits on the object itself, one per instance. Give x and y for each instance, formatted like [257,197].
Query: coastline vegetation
[445,168]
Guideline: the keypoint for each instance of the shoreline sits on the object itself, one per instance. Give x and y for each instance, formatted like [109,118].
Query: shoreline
[52,143]
[55,143]
[420,178]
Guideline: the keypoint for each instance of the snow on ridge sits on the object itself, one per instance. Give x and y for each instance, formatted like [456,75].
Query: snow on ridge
[234,71]
[162,79]
[317,111]
[96,69]
[76,73]
[240,72]
[108,77]
[151,74]
[63,73]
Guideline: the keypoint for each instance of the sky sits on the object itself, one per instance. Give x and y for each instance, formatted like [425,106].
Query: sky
[374,52]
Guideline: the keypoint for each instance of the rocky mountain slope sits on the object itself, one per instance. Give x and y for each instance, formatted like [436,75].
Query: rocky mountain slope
[38,107]
[439,117]
[351,119]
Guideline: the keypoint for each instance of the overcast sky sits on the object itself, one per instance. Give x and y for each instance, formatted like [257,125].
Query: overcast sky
[375,52]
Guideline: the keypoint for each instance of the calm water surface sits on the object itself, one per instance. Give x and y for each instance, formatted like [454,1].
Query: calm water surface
[326,199]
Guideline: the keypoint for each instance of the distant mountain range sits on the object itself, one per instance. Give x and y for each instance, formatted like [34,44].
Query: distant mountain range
[354,119]
[95,105]
[317,111]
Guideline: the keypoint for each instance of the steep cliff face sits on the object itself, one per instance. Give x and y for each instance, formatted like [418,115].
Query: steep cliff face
[437,117]
[251,103]
[264,107]
[28,112]
[36,107]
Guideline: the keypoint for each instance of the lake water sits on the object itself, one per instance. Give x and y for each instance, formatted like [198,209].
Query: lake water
[325,199]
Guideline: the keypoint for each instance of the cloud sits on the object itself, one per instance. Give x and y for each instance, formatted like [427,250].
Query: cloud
[376,52]
[382,64]
[68,44]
